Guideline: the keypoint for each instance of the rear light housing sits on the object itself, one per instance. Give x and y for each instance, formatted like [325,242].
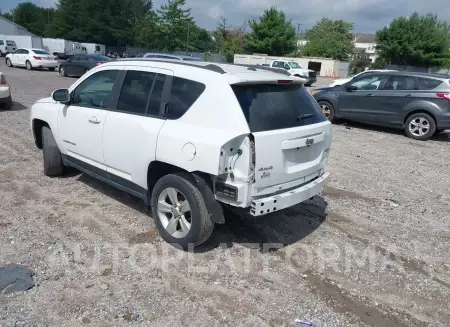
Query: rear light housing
[284,82]
[226,191]
[3,80]
[98,64]
[37,58]
[443,96]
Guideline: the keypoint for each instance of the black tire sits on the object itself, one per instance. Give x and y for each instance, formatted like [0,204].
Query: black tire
[53,165]
[28,65]
[8,63]
[8,103]
[52,69]
[62,71]
[201,224]
[426,126]
[329,113]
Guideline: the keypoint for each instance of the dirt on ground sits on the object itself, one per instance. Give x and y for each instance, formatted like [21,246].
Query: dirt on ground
[371,250]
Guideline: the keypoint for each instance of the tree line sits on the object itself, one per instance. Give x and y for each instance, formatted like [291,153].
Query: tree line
[417,40]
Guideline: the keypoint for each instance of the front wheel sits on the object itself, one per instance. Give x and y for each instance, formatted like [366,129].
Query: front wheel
[62,71]
[420,126]
[53,165]
[28,65]
[327,110]
[180,212]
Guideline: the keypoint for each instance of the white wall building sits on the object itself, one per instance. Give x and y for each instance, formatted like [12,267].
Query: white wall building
[367,43]
[8,27]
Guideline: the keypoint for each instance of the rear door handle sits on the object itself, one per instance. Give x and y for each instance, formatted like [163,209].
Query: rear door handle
[94,120]
[369,95]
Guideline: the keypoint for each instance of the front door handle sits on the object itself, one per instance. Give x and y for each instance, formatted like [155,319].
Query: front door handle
[369,95]
[94,120]
[408,96]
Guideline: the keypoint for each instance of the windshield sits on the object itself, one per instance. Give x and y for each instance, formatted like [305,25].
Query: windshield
[41,52]
[293,64]
[11,43]
[99,58]
[269,106]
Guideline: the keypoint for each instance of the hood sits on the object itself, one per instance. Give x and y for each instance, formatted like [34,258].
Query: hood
[341,81]
[319,90]
[46,100]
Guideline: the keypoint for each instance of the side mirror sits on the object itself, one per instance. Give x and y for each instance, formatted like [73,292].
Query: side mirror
[351,88]
[61,95]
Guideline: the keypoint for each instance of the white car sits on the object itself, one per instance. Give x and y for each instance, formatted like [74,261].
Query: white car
[5,93]
[342,81]
[189,138]
[32,58]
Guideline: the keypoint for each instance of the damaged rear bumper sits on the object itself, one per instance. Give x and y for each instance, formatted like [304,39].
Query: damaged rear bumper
[290,198]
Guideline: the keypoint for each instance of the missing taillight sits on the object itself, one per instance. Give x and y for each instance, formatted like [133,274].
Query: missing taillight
[443,96]
[226,191]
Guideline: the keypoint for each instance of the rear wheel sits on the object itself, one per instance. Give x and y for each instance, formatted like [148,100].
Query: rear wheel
[180,212]
[420,126]
[328,110]
[8,62]
[53,165]
[62,71]
[28,65]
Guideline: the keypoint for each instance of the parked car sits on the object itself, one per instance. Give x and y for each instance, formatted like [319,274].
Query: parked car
[342,81]
[5,93]
[295,69]
[31,58]
[147,128]
[170,56]
[78,65]
[419,103]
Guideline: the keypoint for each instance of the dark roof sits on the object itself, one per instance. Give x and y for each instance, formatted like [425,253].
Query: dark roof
[364,38]
[404,72]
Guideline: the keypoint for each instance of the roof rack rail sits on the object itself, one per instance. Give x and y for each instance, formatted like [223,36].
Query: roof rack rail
[210,67]
[271,69]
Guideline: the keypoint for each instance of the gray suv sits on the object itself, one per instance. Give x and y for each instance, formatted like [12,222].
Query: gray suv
[419,103]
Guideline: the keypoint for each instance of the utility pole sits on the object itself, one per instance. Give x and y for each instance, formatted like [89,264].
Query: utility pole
[298,36]
[187,40]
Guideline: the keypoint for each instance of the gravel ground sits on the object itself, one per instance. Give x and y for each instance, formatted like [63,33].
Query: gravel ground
[372,250]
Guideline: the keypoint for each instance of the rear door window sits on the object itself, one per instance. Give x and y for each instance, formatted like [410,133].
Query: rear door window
[135,92]
[400,83]
[183,94]
[269,107]
[428,83]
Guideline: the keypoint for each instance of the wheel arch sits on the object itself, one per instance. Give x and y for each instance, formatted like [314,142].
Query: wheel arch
[37,131]
[203,181]
[417,111]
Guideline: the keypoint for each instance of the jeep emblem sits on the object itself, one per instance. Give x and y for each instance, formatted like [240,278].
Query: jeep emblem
[309,142]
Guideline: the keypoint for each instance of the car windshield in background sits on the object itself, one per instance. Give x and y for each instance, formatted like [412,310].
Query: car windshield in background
[41,52]
[293,64]
[11,43]
[268,106]
[99,58]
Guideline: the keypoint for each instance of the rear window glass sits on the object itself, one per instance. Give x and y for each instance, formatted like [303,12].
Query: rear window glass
[268,106]
[183,94]
[428,83]
[43,52]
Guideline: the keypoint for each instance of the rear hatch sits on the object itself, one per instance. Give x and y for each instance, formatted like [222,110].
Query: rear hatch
[292,136]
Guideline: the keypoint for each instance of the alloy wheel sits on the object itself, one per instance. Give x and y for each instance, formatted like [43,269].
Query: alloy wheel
[174,212]
[326,110]
[419,126]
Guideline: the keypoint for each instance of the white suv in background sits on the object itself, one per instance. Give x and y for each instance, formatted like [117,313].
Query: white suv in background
[32,58]
[188,139]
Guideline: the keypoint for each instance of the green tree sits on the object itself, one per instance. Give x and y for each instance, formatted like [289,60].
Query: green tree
[35,19]
[415,40]
[359,62]
[229,39]
[175,25]
[272,34]
[329,39]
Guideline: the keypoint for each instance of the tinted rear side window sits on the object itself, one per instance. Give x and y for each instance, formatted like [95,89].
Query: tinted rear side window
[183,94]
[268,107]
[428,83]
[135,92]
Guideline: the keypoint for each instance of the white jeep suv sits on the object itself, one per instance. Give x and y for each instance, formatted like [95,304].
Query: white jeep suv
[189,139]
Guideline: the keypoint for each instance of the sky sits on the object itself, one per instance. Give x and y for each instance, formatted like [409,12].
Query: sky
[366,15]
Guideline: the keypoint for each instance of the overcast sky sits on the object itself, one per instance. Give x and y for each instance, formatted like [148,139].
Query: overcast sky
[366,15]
